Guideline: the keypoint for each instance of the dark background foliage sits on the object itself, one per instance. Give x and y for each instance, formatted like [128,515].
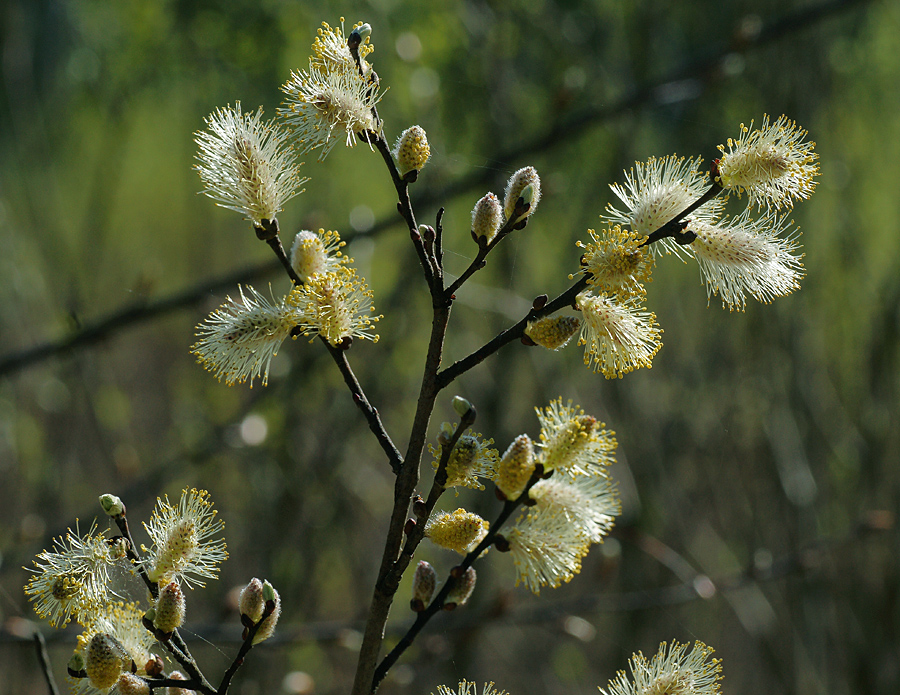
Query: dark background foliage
[758,452]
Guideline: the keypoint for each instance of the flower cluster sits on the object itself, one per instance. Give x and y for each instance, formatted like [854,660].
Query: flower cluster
[248,166]
[335,96]
[572,505]
[673,670]
[83,577]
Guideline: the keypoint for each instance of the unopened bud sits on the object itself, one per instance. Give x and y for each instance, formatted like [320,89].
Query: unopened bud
[130,684]
[446,434]
[424,582]
[267,628]
[461,406]
[76,665]
[170,608]
[486,218]
[112,505]
[461,591]
[516,467]
[524,184]
[251,602]
[364,31]
[105,661]
[155,666]
[459,531]
[553,332]
[411,150]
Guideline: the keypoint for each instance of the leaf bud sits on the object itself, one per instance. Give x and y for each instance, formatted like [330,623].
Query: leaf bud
[76,665]
[445,436]
[112,505]
[461,406]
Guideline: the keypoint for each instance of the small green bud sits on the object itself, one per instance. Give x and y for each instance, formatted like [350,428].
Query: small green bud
[268,592]
[461,406]
[112,505]
[364,31]
[76,663]
[446,434]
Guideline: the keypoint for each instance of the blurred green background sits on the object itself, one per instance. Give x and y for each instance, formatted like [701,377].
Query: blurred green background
[759,451]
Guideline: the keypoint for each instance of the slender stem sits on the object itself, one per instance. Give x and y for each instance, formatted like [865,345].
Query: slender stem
[484,249]
[245,648]
[388,579]
[122,522]
[41,646]
[404,207]
[367,409]
[446,376]
[423,512]
[269,234]
[675,226]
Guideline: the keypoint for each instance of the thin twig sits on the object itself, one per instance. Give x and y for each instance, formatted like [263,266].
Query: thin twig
[44,659]
[368,410]
[245,649]
[131,550]
[437,603]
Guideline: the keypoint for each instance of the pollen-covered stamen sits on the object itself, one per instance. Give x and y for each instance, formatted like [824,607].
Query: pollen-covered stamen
[617,261]
[335,305]
[772,164]
[743,255]
[618,336]
[656,192]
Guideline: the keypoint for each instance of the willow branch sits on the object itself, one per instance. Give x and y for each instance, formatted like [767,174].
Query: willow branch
[437,603]
[368,410]
[484,248]
[131,551]
[423,508]
[446,376]
[404,487]
[404,207]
